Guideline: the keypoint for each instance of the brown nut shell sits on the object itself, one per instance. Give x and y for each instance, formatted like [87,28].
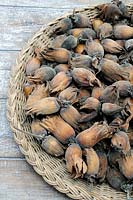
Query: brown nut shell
[59,128]
[45,106]
[85,77]
[80,20]
[69,94]
[74,162]
[123,32]
[112,71]
[96,23]
[52,146]
[126,166]
[62,68]
[93,163]
[70,115]
[43,74]
[59,55]
[115,178]
[37,129]
[41,91]
[111,46]
[61,81]
[94,49]
[103,165]
[121,142]
[105,31]
[28,88]
[63,26]
[90,137]
[32,65]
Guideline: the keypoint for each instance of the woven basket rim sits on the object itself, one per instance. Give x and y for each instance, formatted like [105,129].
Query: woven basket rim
[11,112]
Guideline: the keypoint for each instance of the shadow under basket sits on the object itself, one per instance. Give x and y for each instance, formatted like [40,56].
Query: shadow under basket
[52,170]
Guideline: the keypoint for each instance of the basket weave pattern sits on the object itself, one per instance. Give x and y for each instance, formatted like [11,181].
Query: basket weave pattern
[51,169]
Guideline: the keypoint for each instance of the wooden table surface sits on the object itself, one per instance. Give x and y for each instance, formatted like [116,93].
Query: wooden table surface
[19,20]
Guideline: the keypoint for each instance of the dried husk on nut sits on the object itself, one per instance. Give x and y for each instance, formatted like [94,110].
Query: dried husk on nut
[94,49]
[113,157]
[128,103]
[123,32]
[69,94]
[112,71]
[70,115]
[70,42]
[85,77]
[80,20]
[91,104]
[62,68]
[88,117]
[110,12]
[45,106]
[109,95]
[59,128]
[43,74]
[52,146]
[28,88]
[111,57]
[121,42]
[76,31]
[120,141]
[93,163]
[84,61]
[81,61]
[80,48]
[74,162]
[60,82]
[111,109]
[96,23]
[120,124]
[86,34]
[130,136]
[40,92]
[97,92]
[103,165]
[129,44]
[92,107]
[63,26]
[32,65]
[115,178]
[57,41]
[59,55]
[105,30]
[111,46]
[37,129]
[124,88]
[126,166]
[83,94]
[97,132]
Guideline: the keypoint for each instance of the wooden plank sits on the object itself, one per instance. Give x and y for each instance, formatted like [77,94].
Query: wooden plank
[7,59]
[4,79]
[8,147]
[21,24]
[51,3]
[19,181]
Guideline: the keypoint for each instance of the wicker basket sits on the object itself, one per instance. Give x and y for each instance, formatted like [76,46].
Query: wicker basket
[51,169]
